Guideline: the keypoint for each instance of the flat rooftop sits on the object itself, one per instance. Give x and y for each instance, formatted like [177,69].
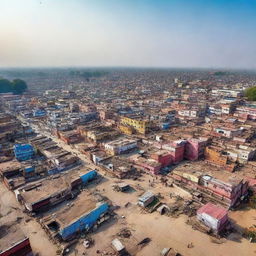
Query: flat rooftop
[10,165]
[208,169]
[83,204]
[37,191]
[10,234]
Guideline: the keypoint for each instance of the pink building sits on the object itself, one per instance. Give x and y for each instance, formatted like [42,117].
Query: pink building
[163,157]
[194,149]
[229,193]
[247,111]
[233,191]
[213,216]
[149,165]
[176,149]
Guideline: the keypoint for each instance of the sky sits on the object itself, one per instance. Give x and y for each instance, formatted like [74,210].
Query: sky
[128,33]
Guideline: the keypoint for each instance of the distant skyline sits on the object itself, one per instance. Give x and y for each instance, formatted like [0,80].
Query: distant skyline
[128,33]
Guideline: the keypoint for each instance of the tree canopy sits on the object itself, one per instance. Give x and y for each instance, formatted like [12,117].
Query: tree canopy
[17,86]
[250,93]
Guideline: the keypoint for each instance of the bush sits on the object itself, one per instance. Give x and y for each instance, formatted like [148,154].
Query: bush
[250,93]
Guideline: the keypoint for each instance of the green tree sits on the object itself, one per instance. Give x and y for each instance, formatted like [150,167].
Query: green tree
[5,86]
[19,86]
[250,93]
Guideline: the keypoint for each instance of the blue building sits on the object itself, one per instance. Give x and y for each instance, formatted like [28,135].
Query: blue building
[89,176]
[165,126]
[82,216]
[29,170]
[23,152]
[39,113]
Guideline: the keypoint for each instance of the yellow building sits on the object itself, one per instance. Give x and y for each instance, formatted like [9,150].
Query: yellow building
[141,126]
[126,129]
[97,135]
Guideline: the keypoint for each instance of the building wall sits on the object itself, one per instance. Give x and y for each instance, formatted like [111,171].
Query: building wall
[84,223]
[70,138]
[215,224]
[194,149]
[141,126]
[178,153]
[226,192]
[21,248]
[23,152]
[120,148]
[218,159]
[164,159]
[154,169]
[215,156]
[88,176]
[126,129]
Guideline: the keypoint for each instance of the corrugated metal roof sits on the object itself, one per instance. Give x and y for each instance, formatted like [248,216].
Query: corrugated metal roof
[117,245]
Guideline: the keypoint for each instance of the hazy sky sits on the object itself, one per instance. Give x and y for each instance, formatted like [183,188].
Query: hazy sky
[159,33]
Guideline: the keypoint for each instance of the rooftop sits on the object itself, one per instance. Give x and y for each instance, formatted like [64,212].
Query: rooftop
[213,210]
[10,165]
[82,205]
[10,234]
[37,191]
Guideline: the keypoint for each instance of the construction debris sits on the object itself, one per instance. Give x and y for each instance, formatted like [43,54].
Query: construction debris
[181,206]
[124,233]
[250,233]
[198,225]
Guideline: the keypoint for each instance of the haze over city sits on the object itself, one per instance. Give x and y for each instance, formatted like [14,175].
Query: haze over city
[127,127]
[194,33]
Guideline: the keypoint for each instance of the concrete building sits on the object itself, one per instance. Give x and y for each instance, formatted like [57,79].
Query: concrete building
[229,193]
[23,152]
[120,146]
[84,213]
[213,216]
[228,132]
[70,137]
[44,194]
[147,164]
[216,157]
[118,167]
[139,125]
[194,148]
[163,157]
[14,242]
[176,149]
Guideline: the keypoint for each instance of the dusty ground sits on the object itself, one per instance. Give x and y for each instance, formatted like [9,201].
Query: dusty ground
[164,231]
[11,209]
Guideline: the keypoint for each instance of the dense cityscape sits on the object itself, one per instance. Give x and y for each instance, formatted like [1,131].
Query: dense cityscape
[116,161]
[127,128]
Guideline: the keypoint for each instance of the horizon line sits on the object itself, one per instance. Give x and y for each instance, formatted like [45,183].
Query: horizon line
[128,67]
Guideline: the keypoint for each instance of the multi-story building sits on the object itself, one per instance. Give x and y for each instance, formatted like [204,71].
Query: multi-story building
[194,148]
[229,193]
[140,125]
[120,146]
[23,152]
